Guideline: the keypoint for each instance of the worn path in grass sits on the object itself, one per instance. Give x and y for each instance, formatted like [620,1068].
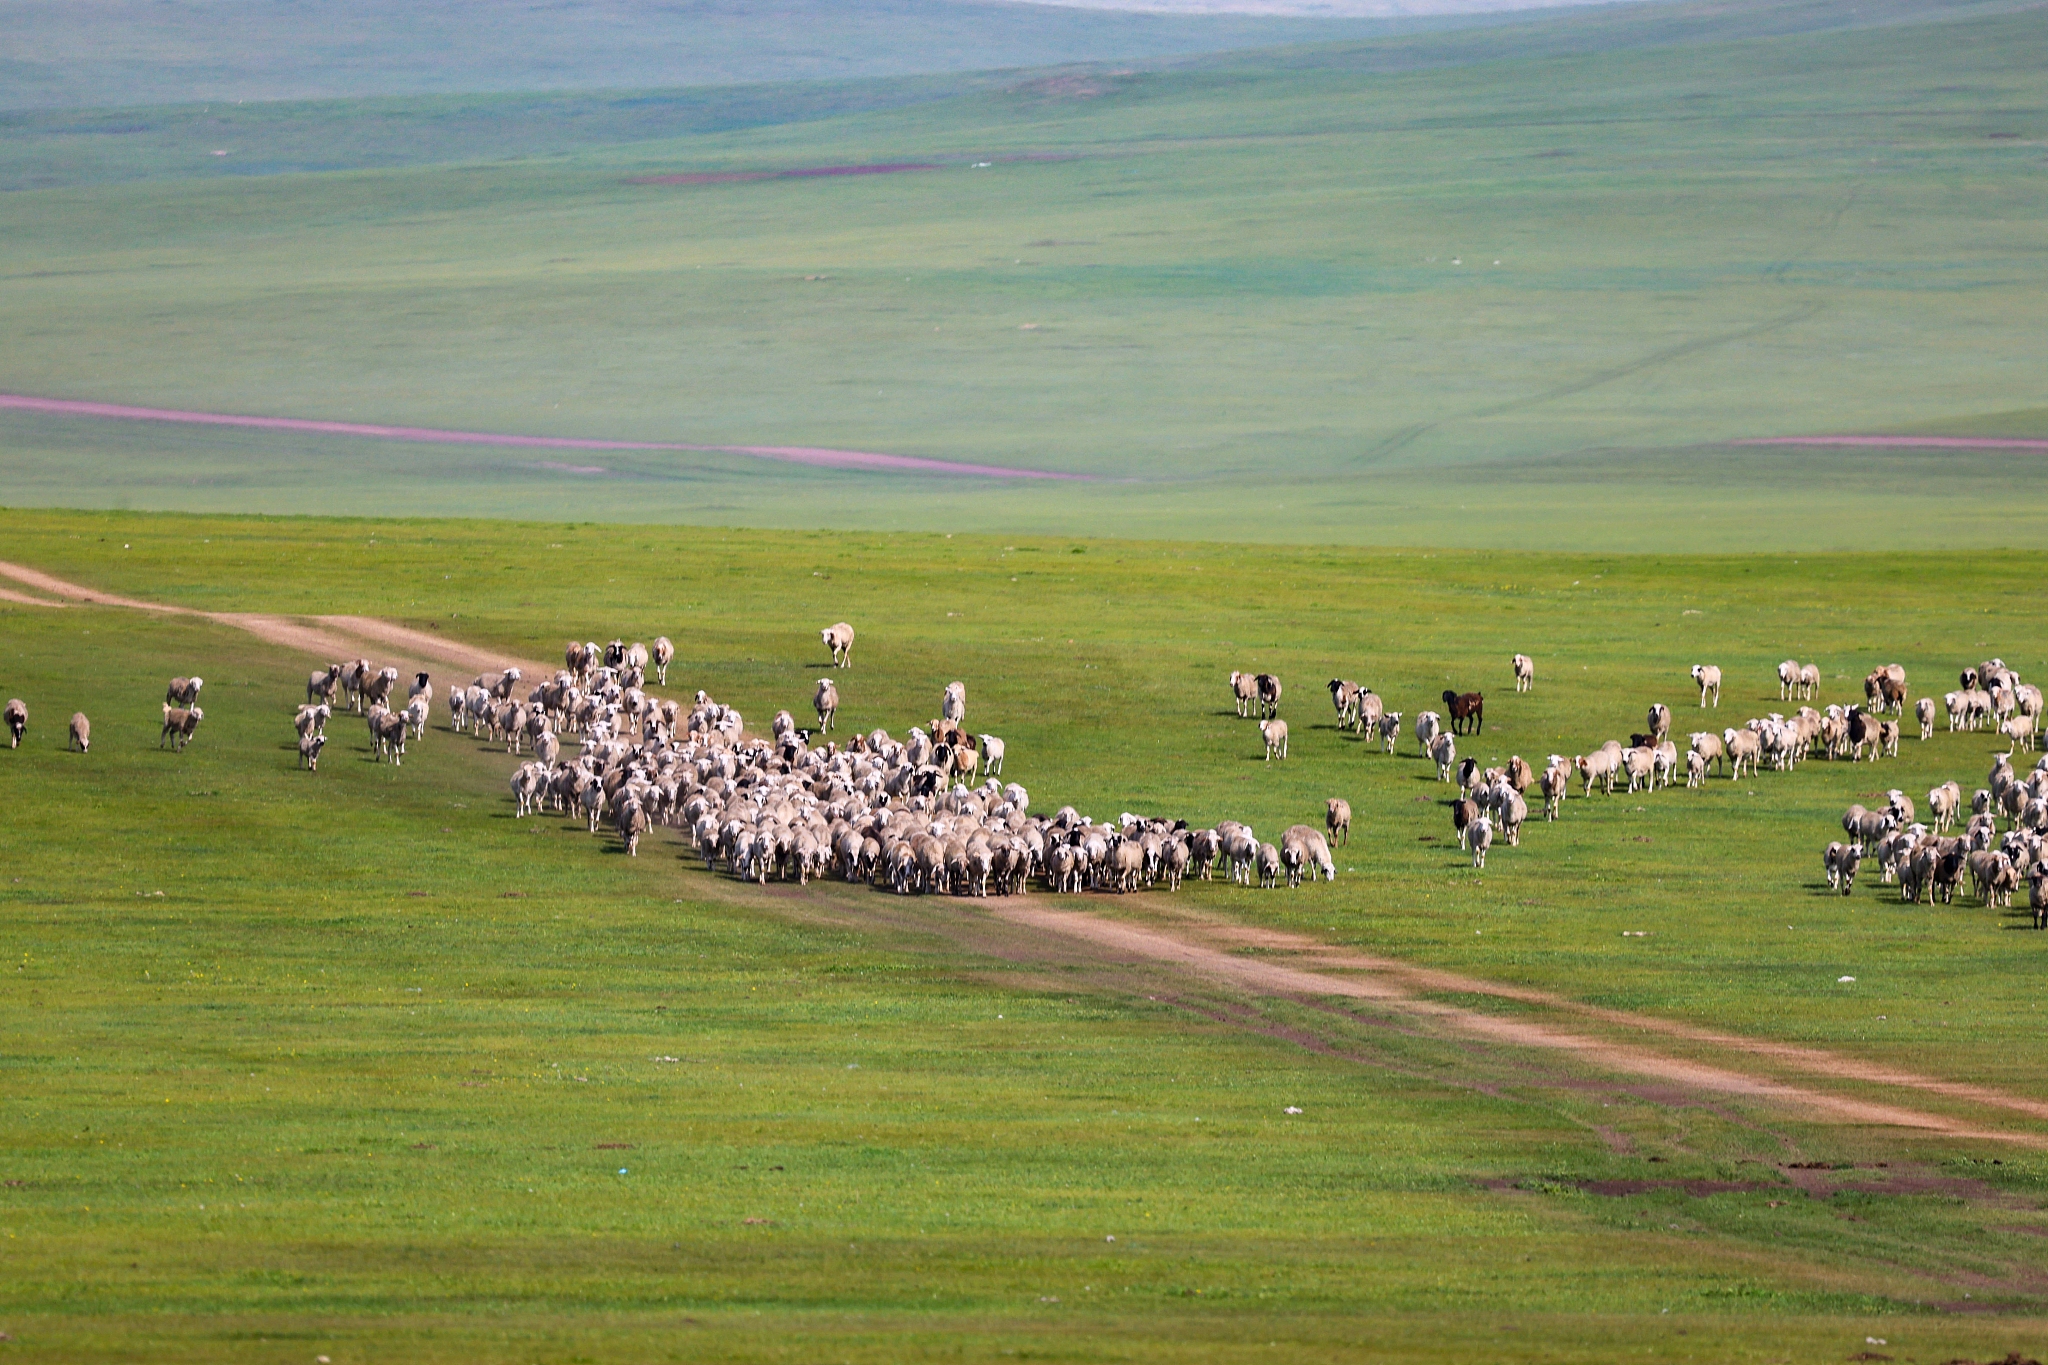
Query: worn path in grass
[1213,950]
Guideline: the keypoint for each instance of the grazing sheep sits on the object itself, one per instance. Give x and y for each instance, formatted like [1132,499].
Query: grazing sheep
[826,703]
[183,691]
[1924,710]
[1269,694]
[1468,711]
[320,685]
[179,723]
[1274,732]
[1390,730]
[1525,673]
[664,654]
[839,639]
[81,734]
[1480,836]
[310,745]
[991,755]
[1708,676]
[1444,750]
[1337,816]
[1659,722]
[1244,690]
[17,721]
[1840,862]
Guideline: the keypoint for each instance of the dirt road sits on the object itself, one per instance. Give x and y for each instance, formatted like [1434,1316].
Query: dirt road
[1186,942]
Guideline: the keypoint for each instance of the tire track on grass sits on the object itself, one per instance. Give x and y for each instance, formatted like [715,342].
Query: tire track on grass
[1210,948]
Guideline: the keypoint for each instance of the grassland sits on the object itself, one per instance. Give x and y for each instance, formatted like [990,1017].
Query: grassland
[387,1036]
[1256,296]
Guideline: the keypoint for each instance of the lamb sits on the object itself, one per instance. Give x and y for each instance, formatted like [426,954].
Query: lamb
[320,685]
[1244,689]
[1708,676]
[826,703]
[310,745]
[1269,867]
[1659,722]
[1337,817]
[1390,730]
[1525,673]
[16,713]
[1269,694]
[81,734]
[183,691]
[991,755]
[664,653]
[1840,862]
[1274,732]
[1924,709]
[1444,750]
[179,723]
[1695,769]
[839,639]
[1480,836]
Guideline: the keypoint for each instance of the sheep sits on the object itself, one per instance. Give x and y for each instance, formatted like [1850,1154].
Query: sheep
[310,745]
[81,734]
[1788,679]
[320,685]
[1659,719]
[1641,765]
[1991,877]
[1712,749]
[991,755]
[1840,862]
[1269,867]
[376,691]
[839,639]
[1344,697]
[352,675]
[1887,739]
[1444,750]
[1428,726]
[1366,714]
[953,704]
[1525,673]
[631,820]
[2019,729]
[1244,690]
[1924,709]
[1708,676]
[179,723]
[636,658]
[663,654]
[1480,836]
[1274,732]
[1744,748]
[1463,812]
[16,713]
[1809,681]
[416,714]
[388,730]
[1513,812]
[1468,711]
[312,720]
[1390,730]
[826,703]
[1695,769]
[1600,765]
[1556,784]
[1269,694]
[1303,849]
[1337,817]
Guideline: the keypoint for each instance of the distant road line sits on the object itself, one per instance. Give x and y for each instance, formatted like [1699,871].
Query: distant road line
[1904,442]
[810,455]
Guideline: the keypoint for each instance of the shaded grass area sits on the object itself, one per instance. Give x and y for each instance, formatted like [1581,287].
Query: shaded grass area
[1258,299]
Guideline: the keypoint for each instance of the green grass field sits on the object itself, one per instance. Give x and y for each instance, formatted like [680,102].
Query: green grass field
[353,1084]
[1257,296]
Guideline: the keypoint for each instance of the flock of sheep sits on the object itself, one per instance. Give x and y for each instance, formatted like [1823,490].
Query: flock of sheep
[1925,860]
[182,715]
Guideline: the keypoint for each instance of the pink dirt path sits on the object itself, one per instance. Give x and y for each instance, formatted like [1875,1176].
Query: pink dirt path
[811,455]
[1905,442]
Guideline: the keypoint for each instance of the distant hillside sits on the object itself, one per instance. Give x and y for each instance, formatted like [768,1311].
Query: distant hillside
[90,53]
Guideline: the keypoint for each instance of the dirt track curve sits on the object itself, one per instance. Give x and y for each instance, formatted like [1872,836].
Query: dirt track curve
[1294,967]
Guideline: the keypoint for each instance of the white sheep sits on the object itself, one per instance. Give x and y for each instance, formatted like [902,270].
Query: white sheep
[1525,673]
[1274,732]
[1708,676]
[839,639]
